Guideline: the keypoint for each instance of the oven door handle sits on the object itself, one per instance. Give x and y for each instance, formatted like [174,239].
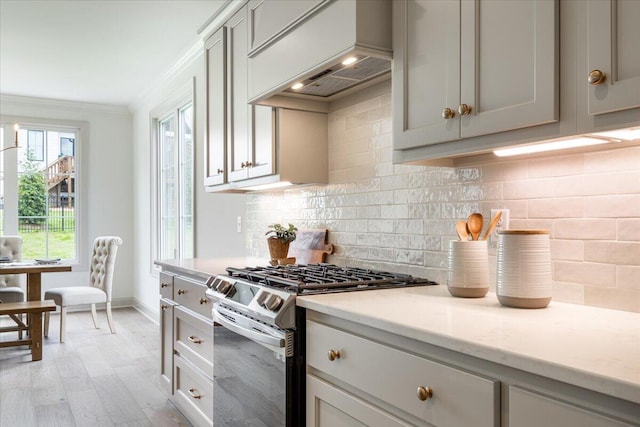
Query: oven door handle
[253,335]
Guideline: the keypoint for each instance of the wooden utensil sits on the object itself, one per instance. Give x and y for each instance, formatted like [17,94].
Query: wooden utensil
[475,224]
[310,246]
[461,229]
[492,225]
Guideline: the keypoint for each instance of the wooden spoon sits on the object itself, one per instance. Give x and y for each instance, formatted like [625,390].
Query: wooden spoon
[461,229]
[492,225]
[475,223]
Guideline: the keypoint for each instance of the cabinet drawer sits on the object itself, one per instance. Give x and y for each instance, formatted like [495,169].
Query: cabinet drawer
[191,294]
[193,393]
[194,339]
[459,398]
[166,285]
[528,409]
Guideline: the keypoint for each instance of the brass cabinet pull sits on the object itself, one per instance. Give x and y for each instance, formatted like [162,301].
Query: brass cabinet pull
[203,300]
[219,171]
[164,306]
[195,340]
[448,113]
[424,393]
[597,77]
[246,164]
[464,109]
[194,393]
[333,355]
[181,291]
[164,285]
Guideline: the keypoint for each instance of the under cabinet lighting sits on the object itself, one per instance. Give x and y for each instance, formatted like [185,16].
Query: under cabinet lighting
[350,60]
[271,186]
[582,141]
[297,86]
[628,134]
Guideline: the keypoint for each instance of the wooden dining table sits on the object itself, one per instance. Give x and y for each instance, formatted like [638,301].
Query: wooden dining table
[34,272]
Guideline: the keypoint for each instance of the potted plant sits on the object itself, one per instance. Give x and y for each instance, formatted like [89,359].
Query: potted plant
[279,240]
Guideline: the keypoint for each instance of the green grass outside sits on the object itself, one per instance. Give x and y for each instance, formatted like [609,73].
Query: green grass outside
[61,245]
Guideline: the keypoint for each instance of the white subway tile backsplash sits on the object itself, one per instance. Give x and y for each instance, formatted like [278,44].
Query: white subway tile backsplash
[401,217]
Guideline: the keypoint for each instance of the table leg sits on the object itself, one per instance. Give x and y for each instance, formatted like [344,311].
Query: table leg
[34,293]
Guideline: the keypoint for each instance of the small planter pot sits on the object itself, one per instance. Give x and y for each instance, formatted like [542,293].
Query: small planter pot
[277,249]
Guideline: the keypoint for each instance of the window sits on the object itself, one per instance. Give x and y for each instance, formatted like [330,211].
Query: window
[35,145]
[173,144]
[38,183]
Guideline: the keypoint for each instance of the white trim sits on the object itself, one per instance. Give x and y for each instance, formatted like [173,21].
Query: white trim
[63,104]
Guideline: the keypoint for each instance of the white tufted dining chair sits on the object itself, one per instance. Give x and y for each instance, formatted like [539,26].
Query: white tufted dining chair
[11,285]
[103,261]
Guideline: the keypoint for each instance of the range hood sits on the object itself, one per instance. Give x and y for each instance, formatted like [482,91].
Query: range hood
[333,80]
[334,49]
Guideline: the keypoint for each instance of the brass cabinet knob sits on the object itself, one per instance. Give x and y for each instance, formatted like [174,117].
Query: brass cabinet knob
[246,164]
[203,300]
[194,393]
[181,291]
[448,113]
[195,340]
[164,285]
[333,355]
[464,109]
[597,77]
[164,306]
[424,393]
[219,171]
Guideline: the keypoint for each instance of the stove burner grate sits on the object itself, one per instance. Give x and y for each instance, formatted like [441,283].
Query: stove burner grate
[324,278]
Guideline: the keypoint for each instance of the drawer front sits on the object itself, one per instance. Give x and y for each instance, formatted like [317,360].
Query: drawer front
[194,339]
[166,285]
[458,397]
[193,393]
[191,294]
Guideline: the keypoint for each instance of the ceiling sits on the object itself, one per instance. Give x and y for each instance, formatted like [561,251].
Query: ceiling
[108,52]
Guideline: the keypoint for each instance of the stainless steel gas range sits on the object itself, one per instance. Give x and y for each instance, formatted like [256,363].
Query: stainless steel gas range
[259,337]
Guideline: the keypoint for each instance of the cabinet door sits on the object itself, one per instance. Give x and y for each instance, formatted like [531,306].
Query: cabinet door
[509,65]
[166,344]
[263,142]
[328,406]
[238,110]
[216,126]
[426,71]
[527,409]
[613,38]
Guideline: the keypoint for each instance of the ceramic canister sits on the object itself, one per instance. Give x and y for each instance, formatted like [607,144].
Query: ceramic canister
[468,274]
[523,274]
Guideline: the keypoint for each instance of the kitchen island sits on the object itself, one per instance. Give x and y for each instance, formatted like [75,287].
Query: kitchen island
[565,359]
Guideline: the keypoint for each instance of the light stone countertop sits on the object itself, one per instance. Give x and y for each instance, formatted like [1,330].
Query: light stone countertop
[205,267]
[594,348]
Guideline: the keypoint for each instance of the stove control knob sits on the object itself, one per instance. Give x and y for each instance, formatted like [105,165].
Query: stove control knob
[223,287]
[273,303]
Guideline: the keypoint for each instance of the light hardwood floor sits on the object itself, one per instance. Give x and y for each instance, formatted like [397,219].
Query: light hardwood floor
[94,378]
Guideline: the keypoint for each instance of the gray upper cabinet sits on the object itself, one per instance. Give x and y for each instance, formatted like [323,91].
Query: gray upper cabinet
[215,57]
[613,73]
[463,69]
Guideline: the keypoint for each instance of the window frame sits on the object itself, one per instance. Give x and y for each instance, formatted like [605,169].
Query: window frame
[181,98]
[10,166]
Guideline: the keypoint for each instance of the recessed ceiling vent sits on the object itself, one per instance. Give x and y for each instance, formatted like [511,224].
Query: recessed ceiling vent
[340,77]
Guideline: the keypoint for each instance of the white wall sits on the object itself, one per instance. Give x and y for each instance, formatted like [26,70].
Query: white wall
[215,214]
[106,158]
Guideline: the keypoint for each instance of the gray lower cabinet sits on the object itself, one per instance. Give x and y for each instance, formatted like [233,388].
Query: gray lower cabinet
[186,346]
[422,389]
[362,376]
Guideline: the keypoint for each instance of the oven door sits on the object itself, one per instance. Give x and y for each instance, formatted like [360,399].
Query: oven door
[252,372]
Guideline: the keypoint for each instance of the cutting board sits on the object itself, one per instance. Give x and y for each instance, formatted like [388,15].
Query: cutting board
[310,246]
